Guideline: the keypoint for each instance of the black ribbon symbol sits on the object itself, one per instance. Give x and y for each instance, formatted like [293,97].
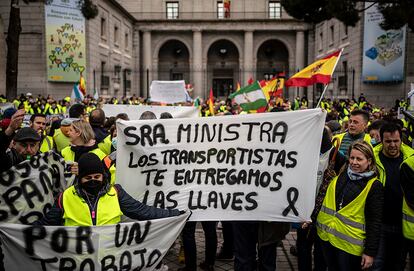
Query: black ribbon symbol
[292,197]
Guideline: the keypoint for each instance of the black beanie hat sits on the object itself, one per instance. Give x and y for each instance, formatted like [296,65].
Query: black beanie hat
[89,163]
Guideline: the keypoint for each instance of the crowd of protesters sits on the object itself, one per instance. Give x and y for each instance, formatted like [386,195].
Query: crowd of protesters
[364,207]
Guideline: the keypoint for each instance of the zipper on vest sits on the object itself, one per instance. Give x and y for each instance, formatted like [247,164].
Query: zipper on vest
[92,207]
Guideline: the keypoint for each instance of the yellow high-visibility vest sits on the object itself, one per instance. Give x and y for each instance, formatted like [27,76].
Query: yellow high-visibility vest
[77,212]
[408,221]
[406,150]
[367,138]
[47,144]
[344,228]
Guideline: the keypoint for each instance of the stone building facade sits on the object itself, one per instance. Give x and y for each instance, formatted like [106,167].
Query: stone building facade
[332,35]
[115,56]
[132,42]
[196,41]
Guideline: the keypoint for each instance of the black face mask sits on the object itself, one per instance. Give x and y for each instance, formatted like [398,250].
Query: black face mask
[92,186]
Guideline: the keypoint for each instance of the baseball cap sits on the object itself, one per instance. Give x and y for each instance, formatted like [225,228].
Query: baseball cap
[26,134]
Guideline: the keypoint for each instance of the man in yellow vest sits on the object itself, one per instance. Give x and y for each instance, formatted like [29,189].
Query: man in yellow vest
[38,123]
[358,122]
[407,184]
[93,201]
[389,156]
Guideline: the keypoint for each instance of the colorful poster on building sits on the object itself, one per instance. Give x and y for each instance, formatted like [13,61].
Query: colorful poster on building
[65,40]
[383,54]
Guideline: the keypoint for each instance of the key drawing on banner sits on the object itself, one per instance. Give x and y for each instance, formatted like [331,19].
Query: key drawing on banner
[245,167]
[125,246]
[28,189]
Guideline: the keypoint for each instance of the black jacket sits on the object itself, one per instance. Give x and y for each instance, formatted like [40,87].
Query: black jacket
[7,158]
[129,207]
[100,133]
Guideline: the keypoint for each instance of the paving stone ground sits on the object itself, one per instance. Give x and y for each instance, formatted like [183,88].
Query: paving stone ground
[285,260]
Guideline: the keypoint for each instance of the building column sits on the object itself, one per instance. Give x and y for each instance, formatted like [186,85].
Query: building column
[135,75]
[197,67]
[300,57]
[147,67]
[248,56]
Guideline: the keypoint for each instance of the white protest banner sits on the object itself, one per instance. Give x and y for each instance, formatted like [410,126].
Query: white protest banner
[135,111]
[28,189]
[125,246]
[168,91]
[245,167]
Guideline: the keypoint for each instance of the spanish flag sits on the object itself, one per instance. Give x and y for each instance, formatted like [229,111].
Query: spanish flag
[274,87]
[82,85]
[211,102]
[319,71]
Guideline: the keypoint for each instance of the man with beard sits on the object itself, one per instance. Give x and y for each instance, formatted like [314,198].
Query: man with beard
[389,156]
[38,123]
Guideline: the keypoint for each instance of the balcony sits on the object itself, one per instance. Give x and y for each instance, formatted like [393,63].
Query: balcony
[211,16]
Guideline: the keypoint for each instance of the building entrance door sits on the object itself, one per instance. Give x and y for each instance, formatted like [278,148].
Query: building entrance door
[222,87]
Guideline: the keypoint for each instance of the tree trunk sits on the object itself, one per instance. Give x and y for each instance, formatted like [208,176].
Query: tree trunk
[12,40]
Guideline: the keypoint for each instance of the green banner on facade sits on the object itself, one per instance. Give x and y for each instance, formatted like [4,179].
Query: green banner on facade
[65,40]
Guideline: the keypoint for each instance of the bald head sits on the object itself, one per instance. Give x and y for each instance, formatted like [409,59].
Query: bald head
[97,117]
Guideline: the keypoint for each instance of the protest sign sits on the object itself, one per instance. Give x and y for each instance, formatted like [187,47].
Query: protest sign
[125,246]
[27,189]
[135,111]
[245,167]
[168,91]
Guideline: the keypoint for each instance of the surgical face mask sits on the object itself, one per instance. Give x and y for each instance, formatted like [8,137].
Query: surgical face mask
[114,142]
[373,142]
[92,186]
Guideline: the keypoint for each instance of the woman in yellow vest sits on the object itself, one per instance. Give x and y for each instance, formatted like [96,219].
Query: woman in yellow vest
[93,201]
[349,222]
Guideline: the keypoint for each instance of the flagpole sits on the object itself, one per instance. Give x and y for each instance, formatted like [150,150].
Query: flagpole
[333,70]
[323,93]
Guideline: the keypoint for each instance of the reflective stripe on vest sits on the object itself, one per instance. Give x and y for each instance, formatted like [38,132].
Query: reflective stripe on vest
[345,228]
[344,219]
[338,234]
[46,144]
[77,212]
[408,221]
